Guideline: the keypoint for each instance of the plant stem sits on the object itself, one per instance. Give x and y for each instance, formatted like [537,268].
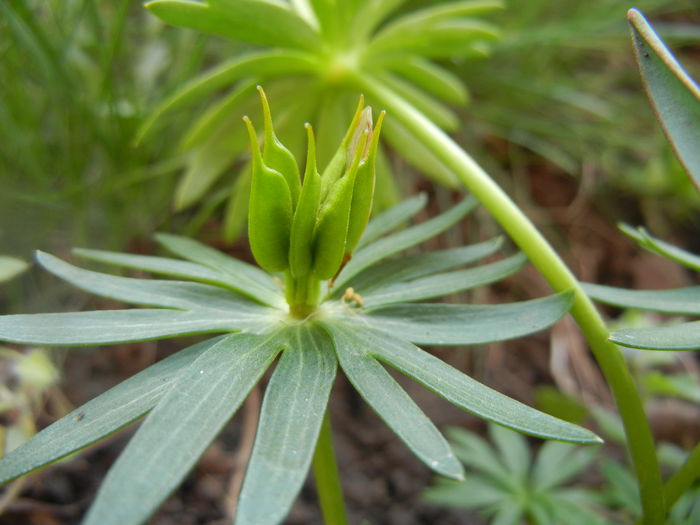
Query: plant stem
[328,488]
[683,479]
[639,438]
[302,293]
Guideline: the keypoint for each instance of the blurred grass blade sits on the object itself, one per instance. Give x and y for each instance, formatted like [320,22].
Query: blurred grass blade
[448,324]
[11,267]
[391,402]
[402,240]
[443,284]
[414,266]
[101,416]
[253,21]
[677,301]
[684,336]
[290,420]
[178,268]
[675,96]
[392,218]
[166,294]
[180,428]
[461,390]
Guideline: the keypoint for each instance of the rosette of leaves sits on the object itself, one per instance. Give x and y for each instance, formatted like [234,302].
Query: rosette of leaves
[319,48]
[676,100]
[510,485]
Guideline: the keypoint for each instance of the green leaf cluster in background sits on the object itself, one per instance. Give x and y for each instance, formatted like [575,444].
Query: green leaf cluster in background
[320,49]
[187,398]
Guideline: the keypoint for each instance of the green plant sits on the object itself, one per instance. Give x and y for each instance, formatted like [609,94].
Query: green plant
[347,308]
[512,486]
[319,48]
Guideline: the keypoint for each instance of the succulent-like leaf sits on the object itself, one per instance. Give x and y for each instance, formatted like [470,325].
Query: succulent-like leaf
[675,96]
[180,428]
[458,388]
[684,336]
[290,420]
[391,402]
[387,246]
[448,324]
[676,301]
[102,416]
[252,21]
[443,284]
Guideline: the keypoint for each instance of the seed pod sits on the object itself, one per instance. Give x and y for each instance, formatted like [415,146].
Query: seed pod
[269,212]
[340,160]
[332,226]
[363,192]
[301,243]
[276,155]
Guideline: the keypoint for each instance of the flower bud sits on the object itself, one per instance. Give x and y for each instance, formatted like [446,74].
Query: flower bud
[269,212]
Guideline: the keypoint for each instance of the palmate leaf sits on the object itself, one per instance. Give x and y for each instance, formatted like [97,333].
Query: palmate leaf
[448,324]
[675,96]
[101,416]
[391,402]
[291,415]
[181,426]
[451,384]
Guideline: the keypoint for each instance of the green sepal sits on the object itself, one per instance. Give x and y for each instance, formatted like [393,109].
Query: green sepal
[276,155]
[269,212]
[363,192]
[332,227]
[301,244]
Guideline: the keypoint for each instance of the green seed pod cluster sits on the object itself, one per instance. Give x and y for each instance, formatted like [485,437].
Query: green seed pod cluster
[310,228]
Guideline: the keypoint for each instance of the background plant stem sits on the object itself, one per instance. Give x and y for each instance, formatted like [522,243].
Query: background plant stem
[640,441]
[328,488]
[683,478]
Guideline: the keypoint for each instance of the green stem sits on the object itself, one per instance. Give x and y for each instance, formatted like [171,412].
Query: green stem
[328,488]
[303,294]
[639,438]
[683,479]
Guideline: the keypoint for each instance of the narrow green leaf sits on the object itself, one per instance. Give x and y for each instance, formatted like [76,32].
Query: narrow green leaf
[391,402]
[460,389]
[236,215]
[392,218]
[181,426]
[372,253]
[253,21]
[509,512]
[10,267]
[149,292]
[663,248]
[290,420]
[448,324]
[673,93]
[257,64]
[249,279]
[184,269]
[444,283]
[468,494]
[101,416]
[120,326]
[684,336]
[418,265]
[676,301]
[477,454]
